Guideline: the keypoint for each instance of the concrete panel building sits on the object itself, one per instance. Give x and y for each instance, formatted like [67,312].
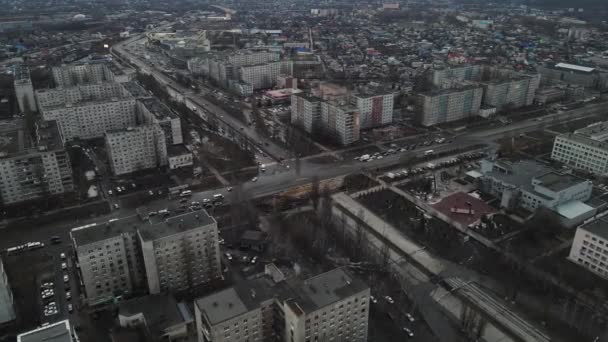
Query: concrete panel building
[590,247]
[449,105]
[136,148]
[137,254]
[446,77]
[375,107]
[33,169]
[333,306]
[341,122]
[77,74]
[24,90]
[78,94]
[584,149]
[306,111]
[517,91]
[152,111]
[181,252]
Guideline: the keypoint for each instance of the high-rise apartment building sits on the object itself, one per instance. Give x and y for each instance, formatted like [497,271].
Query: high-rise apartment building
[436,107]
[78,74]
[24,90]
[33,168]
[264,75]
[136,148]
[61,331]
[448,76]
[516,91]
[48,98]
[341,122]
[181,252]
[152,111]
[375,106]
[333,306]
[306,111]
[584,149]
[164,252]
[590,247]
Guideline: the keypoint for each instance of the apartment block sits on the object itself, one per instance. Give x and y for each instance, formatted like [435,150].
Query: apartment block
[584,149]
[7,301]
[152,111]
[449,105]
[306,111]
[375,107]
[88,111]
[33,168]
[24,90]
[181,252]
[517,91]
[77,74]
[144,253]
[333,306]
[136,148]
[448,76]
[341,122]
[590,247]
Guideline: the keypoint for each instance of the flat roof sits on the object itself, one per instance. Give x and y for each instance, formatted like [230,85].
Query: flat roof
[135,89]
[558,182]
[222,306]
[519,173]
[598,227]
[149,228]
[574,67]
[177,150]
[56,332]
[573,209]
[157,108]
[160,311]
[327,288]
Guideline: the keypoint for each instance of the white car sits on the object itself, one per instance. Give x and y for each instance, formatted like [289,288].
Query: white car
[373,299]
[68,295]
[389,299]
[229,256]
[254,259]
[64,266]
[66,278]
[408,331]
[410,317]
[254,179]
[70,308]
[62,256]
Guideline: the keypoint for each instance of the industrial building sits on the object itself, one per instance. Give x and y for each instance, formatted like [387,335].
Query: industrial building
[584,149]
[590,247]
[574,74]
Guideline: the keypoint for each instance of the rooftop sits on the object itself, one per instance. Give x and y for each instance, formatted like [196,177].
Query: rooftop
[518,173]
[21,73]
[158,109]
[438,92]
[327,288]
[56,332]
[136,90]
[15,140]
[222,306]
[573,209]
[150,228]
[574,67]
[558,182]
[177,150]
[463,208]
[598,227]
[160,311]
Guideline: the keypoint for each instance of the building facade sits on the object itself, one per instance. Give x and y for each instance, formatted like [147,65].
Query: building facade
[76,74]
[24,90]
[136,149]
[181,253]
[449,105]
[306,111]
[516,92]
[341,122]
[584,149]
[32,170]
[590,247]
[152,111]
[375,108]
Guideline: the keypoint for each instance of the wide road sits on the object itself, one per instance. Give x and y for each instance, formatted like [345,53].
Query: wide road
[220,114]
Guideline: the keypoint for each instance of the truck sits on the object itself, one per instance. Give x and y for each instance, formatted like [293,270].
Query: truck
[364,157]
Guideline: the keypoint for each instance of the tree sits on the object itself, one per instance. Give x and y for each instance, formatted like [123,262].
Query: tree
[314,192]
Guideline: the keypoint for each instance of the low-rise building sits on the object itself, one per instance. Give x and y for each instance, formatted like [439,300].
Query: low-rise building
[61,331]
[531,185]
[590,247]
[584,149]
[179,156]
[161,316]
